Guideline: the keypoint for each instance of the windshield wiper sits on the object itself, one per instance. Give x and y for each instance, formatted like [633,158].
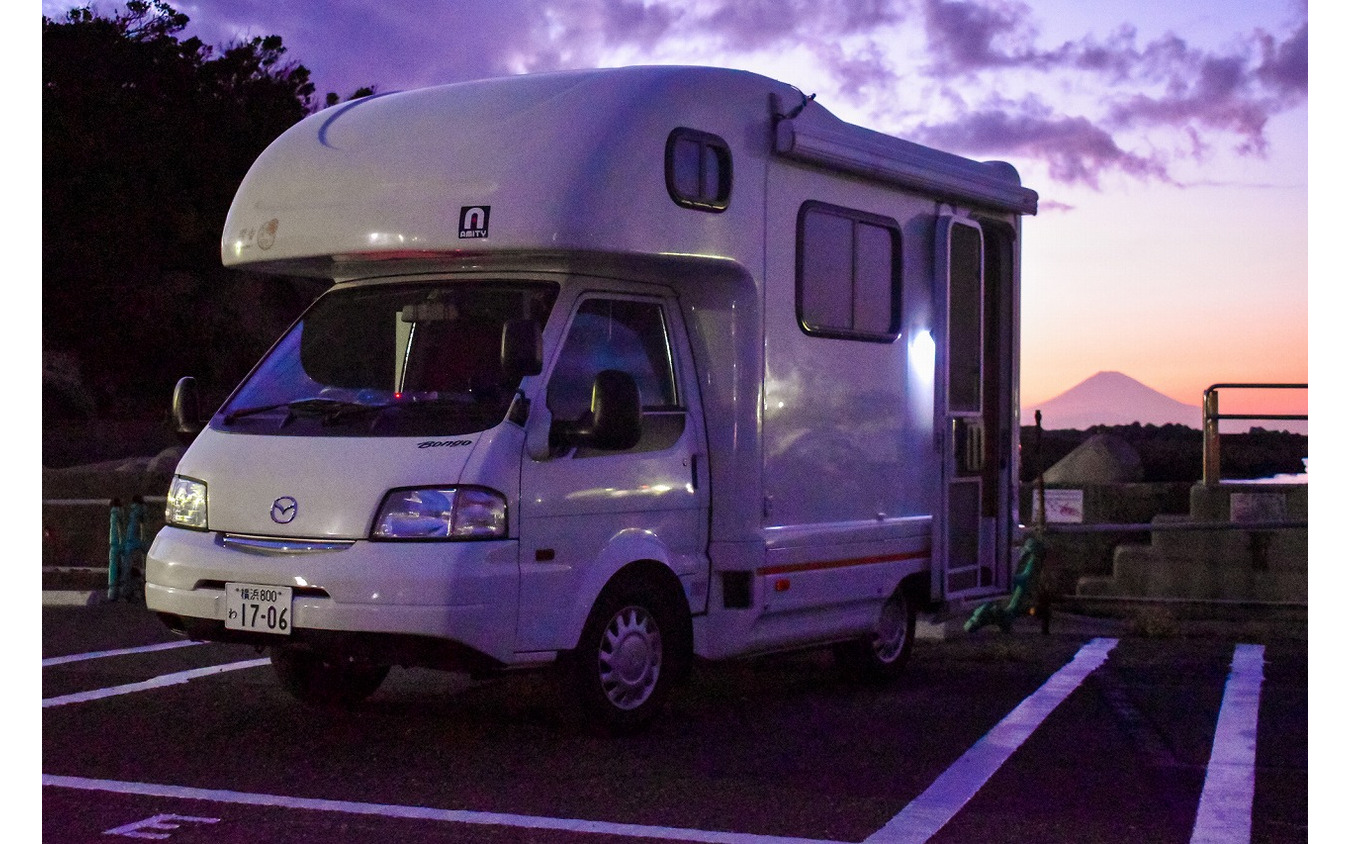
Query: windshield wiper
[333,410]
[313,406]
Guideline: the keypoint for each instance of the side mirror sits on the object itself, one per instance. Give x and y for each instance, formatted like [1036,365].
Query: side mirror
[615,420]
[187,414]
[522,348]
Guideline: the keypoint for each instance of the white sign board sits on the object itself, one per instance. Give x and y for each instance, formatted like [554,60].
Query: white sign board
[1064,506]
[1257,506]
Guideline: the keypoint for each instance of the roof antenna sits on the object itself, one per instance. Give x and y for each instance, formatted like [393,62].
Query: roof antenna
[798,110]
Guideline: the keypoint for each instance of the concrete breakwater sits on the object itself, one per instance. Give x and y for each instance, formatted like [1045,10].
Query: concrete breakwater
[1206,542]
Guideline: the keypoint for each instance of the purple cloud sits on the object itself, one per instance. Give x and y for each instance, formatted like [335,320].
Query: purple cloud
[856,72]
[1166,94]
[636,22]
[1074,150]
[754,24]
[1284,65]
[962,35]
[348,44]
[1204,93]
[1216,98]
[1166,85]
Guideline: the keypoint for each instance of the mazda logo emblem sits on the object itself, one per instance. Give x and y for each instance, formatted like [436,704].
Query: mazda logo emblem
[283,510]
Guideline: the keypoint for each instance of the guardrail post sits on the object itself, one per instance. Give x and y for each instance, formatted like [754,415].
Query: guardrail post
[115,541]
[1210,473]
[125,540]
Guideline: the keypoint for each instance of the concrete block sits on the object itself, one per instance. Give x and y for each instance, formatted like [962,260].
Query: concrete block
[940,629]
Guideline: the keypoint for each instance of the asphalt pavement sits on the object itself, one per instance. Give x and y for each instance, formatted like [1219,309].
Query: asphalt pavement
[1105,729]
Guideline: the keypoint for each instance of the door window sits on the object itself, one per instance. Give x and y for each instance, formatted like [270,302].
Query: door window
[965,320]
[628,335]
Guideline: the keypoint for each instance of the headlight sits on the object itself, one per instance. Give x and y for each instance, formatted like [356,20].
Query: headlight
[441,513]
[186,506]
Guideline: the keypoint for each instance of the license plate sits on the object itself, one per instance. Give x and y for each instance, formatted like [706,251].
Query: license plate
[263,609]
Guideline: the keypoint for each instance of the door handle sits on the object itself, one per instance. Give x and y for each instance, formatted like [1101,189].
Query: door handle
[967,445]
[975,449]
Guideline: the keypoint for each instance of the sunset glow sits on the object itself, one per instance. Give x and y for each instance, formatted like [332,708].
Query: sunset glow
[1168,142]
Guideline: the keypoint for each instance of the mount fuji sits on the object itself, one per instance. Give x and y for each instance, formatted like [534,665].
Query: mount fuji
[1111,398]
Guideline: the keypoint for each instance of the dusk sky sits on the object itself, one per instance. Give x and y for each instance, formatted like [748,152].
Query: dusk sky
[1168,141]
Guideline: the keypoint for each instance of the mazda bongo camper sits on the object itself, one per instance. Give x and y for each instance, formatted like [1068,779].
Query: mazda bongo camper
[618,368]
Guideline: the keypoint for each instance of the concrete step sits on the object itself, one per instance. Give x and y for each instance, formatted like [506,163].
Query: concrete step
[1140,571]
[1283,550]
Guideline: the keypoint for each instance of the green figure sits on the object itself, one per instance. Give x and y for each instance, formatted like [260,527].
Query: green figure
[1033,549]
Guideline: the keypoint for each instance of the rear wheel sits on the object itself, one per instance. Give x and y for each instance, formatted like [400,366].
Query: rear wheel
[882,654]
[324,680]
[628,657]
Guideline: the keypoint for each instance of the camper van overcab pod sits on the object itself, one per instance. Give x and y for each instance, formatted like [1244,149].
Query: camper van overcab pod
[618,368]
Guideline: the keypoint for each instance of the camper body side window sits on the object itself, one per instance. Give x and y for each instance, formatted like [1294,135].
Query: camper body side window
[698,170]
[848,273]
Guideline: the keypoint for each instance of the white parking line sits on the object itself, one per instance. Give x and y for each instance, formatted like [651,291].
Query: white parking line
[930,811]
[162,646]
[422,813]
[154,683]
[1225,813]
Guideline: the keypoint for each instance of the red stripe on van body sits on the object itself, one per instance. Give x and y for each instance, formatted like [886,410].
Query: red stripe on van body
[821,565]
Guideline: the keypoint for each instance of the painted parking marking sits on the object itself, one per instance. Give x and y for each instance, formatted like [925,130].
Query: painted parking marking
[153,683]
[162,646]
[157,827]
[423,813]
[1225,814]
[917,822]
[930,811]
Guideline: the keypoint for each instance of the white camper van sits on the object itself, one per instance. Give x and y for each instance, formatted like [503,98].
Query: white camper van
[618,368]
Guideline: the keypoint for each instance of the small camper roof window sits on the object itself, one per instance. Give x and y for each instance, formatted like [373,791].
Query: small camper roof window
[698,170]
[848,273]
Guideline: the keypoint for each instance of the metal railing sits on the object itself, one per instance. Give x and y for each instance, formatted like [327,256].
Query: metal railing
[1259,531]
[1210,472]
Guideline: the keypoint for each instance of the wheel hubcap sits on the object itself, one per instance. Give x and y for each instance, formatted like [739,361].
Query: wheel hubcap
[630,657]
[889,640]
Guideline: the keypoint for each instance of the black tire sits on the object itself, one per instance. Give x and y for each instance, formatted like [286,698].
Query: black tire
[325,681]
[136,594]
[880,656]
[629,656]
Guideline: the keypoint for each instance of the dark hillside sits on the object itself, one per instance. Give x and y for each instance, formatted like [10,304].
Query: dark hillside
[1172,453]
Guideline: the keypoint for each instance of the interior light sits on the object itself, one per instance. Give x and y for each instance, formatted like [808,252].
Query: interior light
[923,353]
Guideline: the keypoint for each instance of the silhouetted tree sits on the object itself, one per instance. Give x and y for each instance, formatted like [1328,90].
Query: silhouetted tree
[1174,453]
[145,139]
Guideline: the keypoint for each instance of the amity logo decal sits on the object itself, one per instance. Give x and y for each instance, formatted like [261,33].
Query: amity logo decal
[473,221]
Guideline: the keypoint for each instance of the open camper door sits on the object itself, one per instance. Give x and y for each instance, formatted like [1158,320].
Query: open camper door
[973,526]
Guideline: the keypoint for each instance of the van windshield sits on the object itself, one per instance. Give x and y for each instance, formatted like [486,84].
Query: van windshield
[416,359]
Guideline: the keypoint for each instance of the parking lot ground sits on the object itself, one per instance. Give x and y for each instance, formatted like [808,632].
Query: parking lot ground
[779,746]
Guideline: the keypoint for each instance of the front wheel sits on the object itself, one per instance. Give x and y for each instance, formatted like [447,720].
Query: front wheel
[882,654]
[627,659]
[326,681]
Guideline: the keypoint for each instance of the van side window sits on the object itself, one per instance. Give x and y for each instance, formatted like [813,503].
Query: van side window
[698,170]
[621,334]
[848,273]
